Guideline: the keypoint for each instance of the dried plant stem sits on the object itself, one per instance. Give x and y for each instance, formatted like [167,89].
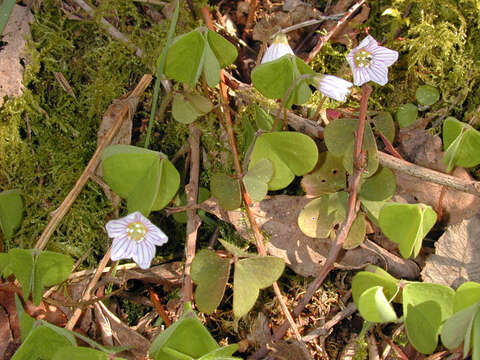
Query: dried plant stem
[352,209]
[333,31]
[159,307]
[391,162]
[246,199]
[92,164]
[193,220]
[87,294]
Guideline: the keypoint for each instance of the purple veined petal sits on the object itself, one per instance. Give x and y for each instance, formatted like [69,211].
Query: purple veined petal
[143,254]
[384,55]
[378,74]
[156,237]
[121,248]
[367,42]
[116,228]
[360,76]
[276,51]
[334,87]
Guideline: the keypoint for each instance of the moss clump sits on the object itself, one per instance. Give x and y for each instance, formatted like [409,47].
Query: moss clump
[47,137]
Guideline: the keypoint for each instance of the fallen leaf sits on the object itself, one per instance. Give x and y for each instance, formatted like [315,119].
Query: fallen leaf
[455,260]
[283,350]
[9,326]
[15,36]
[124,136]
[260,331]
[124,335]
[423,149]
[277,216]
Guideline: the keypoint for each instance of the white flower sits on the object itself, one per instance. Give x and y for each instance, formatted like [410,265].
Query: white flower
[333,87]
[278,48]
[134,236]
[369,61]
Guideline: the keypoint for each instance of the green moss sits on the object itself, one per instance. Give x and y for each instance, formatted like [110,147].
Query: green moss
[47,137]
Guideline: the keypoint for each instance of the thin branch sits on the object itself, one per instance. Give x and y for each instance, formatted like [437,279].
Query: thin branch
[193,220]
[358,164]
[93,163]
[87,294]
[333,31]
[391,162]
[246,199]
[159,307]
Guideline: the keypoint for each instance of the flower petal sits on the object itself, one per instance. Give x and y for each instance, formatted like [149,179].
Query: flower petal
[384,55]
[143,254]
[360,76]
[276,51]
[121,248]
[334,87]
[156,236]
[378,74]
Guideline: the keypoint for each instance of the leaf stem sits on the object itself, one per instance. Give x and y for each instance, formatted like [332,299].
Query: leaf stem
[359,160]
[160,69]
[246,199]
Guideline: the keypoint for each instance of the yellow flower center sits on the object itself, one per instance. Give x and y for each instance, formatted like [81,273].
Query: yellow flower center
[136,231]
[363,58]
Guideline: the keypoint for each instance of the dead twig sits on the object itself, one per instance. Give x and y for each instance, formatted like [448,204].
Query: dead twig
[358,165]
[239,172]
[333,31]
[159,307]
[193,220]
[93,163]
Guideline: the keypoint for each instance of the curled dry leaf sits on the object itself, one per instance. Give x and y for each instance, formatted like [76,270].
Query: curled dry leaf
[283,350]
[15,36]
[423,149]
[277,216]
[9,325]
[455,260]
[124,135]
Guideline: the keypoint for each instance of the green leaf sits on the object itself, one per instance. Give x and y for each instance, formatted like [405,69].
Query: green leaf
[226,190]
[11,212]
[328,176]
[406,115]
[461,143]
[5,11]
[185,58]
[222,353]
[257,178]
[372,209]
[210,272]
[79,353]
[379,187]
[339,139]
[383,122]
[26,322]
[466,295]
[211,67]
[251,275]
[356,235]
[374,306]
[458,327]
[319,216]
[264,121]
[425,308]
[407,225]
[34,273]
[225,52]
[274,79]
[427,95]
[187,337]
[41,343]
[291,153]
[476,338]
[188,107]
[5,269]
[365,280]
[145,178]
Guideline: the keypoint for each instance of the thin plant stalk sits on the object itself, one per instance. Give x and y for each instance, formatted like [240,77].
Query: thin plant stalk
[160,69]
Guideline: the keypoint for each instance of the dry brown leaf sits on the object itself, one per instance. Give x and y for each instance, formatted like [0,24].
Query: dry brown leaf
[423,149]
[104,326]
[283,350]
[124,335]
[260,331]
[456,255]
[9,325]
[277,216]
[15,35]
[124,135]
[348,32]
